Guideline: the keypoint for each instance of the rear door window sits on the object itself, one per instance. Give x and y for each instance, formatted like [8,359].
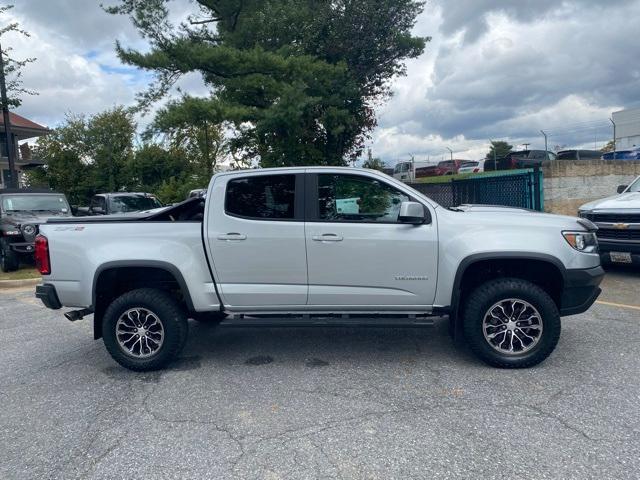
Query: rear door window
[262,197]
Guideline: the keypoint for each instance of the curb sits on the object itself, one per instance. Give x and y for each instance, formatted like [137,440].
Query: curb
[28,282]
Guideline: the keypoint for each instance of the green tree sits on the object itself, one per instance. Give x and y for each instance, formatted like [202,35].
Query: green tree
[187,126]
[109,145]
[12,66]
[298,79]
[501,149]
[608,147]
[87,155]
[373,163]
[66,169]
[151,165]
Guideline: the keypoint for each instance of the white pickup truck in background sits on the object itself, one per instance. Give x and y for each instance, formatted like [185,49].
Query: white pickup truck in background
[320,246]
[618,221]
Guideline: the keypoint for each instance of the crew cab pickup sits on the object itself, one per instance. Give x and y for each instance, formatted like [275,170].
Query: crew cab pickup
[618,222]
[272,247]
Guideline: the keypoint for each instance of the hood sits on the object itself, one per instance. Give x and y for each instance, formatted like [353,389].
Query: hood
[518,217]
[476,207]
[626,201]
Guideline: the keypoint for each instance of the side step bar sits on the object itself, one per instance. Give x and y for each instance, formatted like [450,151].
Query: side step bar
[327,321]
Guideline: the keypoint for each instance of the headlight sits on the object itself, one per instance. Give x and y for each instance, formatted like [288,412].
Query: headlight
[586,242]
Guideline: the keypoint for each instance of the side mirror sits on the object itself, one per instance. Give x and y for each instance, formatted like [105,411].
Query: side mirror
[622,188]
[412,212]
[97,210]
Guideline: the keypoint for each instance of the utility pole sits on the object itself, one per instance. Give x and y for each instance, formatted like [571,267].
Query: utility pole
[450,151]
[546,148]
[13,180]
[614,137]
[526,146]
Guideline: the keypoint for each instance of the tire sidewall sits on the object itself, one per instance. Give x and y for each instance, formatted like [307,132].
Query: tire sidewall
[169,313]
[493,292]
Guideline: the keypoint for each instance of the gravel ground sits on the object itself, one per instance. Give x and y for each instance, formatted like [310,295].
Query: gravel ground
[317,403]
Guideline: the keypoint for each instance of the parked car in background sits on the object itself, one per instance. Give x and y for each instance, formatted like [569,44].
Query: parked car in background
[449,167]
[472,166]
[633,154]
[519,159]
[530,158]
[21,213]
[197,193]
[618,221]
[579,155]
[408,171]
[120,202]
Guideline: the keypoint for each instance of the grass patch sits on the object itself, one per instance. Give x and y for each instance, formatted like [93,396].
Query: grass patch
[22,274]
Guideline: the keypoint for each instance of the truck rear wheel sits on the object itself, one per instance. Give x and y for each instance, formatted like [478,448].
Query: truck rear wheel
[144,329]
[511,323]
[9,260]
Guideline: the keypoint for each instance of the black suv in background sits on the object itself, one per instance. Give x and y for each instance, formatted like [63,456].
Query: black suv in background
[579,155]
[21,211]
[120,202]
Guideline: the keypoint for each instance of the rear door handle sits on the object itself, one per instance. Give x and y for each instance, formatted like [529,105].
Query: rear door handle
[232,236]
[327,237]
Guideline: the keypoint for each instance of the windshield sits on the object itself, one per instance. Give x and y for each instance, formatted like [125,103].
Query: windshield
[635,186]
[35,203]
[133,203]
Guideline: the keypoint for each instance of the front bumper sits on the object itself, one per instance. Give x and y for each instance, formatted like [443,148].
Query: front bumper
[22,247]
[47,293]
[607,245]
[581,289]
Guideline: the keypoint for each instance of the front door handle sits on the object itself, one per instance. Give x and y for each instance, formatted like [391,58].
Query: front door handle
[232,236]
[327,237]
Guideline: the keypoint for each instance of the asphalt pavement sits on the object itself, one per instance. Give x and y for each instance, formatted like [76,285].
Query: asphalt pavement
[322,403]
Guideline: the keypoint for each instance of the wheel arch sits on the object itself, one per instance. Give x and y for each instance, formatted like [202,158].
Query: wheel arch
[106,285]
[474,269]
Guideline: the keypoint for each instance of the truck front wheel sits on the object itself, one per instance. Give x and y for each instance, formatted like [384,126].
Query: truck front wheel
[144,329]
[511,323]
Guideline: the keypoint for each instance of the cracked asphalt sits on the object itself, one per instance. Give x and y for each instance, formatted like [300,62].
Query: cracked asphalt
[339,403]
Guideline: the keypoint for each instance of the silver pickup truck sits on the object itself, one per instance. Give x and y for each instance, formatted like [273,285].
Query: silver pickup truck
[320,246]
[618,222]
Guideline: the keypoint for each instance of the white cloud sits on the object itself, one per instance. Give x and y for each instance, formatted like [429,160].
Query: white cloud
[501,69]
[518,72]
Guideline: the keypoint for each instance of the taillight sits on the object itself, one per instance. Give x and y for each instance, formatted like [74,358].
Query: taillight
[43,263]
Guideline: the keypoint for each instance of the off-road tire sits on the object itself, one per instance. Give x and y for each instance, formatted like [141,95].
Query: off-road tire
[9,260]
[172,316]
[483,297]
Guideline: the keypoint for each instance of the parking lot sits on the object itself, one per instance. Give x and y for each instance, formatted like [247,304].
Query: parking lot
[320,403]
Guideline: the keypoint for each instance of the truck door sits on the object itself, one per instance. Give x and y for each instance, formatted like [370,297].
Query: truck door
[360,255]
[255,230]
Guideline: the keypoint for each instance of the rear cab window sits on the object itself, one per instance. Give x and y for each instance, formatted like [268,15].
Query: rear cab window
[262,197]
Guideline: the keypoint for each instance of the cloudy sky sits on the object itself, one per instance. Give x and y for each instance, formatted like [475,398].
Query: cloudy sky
[499,69]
